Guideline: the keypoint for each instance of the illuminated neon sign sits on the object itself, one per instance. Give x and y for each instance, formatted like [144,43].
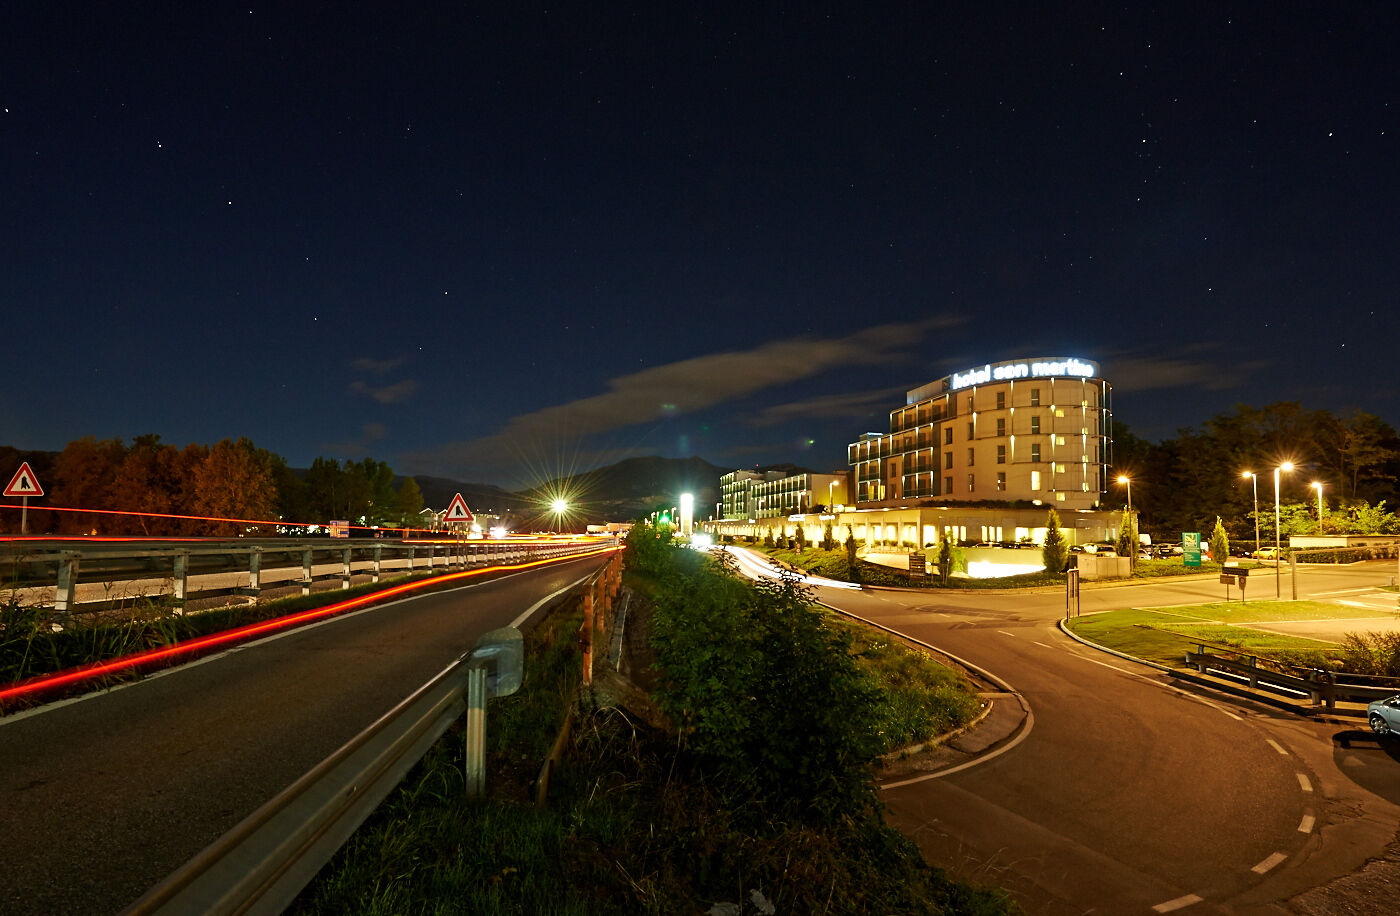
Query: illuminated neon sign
[1001,372]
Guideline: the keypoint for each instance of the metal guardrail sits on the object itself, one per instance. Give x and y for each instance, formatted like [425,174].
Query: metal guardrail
[63,566]
[260,865]
[1320,687]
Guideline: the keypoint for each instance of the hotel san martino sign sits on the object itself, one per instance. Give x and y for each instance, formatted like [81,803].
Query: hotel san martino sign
[1009,371]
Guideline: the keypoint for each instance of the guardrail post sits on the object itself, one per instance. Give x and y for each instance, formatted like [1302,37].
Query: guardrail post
[180,576]
[255,572]
[412,552]
[345,569]
[378,552]
[585,637]
[306,571]
[66,595]
[432,556]
[475,764]
[1253,672]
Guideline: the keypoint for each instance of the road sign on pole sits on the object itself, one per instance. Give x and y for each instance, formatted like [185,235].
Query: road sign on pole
[24,485]
[458,512]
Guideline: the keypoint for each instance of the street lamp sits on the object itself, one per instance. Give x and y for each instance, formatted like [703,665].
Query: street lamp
[1278,529]
[1317,485]
[559,506]
[1255,477]
[1128,482]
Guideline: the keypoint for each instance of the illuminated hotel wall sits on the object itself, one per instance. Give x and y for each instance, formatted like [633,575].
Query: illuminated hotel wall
[1034,429]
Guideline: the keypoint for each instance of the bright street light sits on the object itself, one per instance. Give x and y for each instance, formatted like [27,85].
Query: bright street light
[1255,477]
[1128,482]
[1278,529]
[559,506]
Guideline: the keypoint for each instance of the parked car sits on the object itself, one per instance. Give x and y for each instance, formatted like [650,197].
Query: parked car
[1266,553]
[1384,715]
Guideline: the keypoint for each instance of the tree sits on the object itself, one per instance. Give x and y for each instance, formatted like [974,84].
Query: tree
[1219,543]
[828,538]
[409,503]
[85,475]
[945,558]
[235,482]
[1126,545]
[799,538]
[1054,551]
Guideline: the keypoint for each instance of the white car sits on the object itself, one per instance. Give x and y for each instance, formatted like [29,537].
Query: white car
[1384,715]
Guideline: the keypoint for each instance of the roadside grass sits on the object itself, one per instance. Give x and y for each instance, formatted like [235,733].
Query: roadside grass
[1164,635]
[635,822]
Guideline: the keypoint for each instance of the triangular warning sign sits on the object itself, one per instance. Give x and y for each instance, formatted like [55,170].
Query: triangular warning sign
[24,483]
[458,511]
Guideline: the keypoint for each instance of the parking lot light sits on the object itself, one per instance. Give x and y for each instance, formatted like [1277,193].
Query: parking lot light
[1255,478]
[1278,539]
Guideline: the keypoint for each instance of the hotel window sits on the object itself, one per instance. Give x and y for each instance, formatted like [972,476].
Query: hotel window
[947,485]
[1035,452]
[1001,481]
[1001,426]
[948,436]
[1035,426]
[969,483]
[1059,440]
[1001,455]
[1035,397]
[947,461]
[1059,468]
[1059,412]
[1001,399]
[971,429]
[1035,480]
[1060,496]
[970,461]
[969,403]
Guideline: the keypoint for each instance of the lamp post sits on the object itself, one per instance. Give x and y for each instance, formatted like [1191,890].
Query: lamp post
[1255,478]
[1127,482]
[559,507]
[1278,530]
[1317,485]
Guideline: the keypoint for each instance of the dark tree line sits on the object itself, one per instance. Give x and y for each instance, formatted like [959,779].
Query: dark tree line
[1183,483]
[233,479]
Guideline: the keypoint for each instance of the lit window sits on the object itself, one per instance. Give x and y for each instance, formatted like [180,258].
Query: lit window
[1035,397]
[1060,468]
[1060,497]
[1035,426]
[970,457]
[1001,481]
[969,483]
[1035,480]
[1035,452]
[1001,455]
[969,403]
[1059,412]
[1059,440]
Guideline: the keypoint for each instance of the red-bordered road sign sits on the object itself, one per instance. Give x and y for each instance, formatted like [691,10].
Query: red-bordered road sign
[457,511]
[24,483]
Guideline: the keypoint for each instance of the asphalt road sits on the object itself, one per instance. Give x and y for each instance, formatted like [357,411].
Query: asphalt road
[1119,792]
[103,796]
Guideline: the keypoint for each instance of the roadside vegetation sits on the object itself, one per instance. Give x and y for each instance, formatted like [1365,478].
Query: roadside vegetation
[755,795]
[1164,635]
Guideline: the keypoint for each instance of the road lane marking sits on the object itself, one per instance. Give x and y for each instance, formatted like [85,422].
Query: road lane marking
[1044,646]
[1303,782]
[1276,746]
[1344,591]
[1307,825]
[1272,861]
[1176,904]
[1004,633]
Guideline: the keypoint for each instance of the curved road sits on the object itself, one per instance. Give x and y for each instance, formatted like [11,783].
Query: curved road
[1125,793]
[105,795]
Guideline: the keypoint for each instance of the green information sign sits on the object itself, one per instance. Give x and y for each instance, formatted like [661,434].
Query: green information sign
[1191,548]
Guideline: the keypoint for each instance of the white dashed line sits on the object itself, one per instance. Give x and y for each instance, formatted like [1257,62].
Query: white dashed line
[1276,746]
[1177,904]
[1307,824]
[1004,633]
[1276,859]
[1044,646]
[1304,783]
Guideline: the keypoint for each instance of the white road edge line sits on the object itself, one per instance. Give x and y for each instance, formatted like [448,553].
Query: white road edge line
[1307,824]
[1044,646]
[1276,746]
[1272,861]
[1303,782]
[548,598]
[1176,904]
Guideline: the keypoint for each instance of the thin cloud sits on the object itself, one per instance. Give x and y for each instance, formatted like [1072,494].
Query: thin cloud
[691,385]
[387,394]
[377,366]
[1154,373]
[858,404]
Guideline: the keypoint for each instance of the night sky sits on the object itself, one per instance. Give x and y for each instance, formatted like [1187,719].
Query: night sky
[502,241]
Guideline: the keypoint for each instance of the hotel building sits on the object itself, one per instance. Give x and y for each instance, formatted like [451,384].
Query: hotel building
[1033,430]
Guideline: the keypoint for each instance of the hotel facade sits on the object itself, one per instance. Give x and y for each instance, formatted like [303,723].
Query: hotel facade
[1037,430]
[978,456]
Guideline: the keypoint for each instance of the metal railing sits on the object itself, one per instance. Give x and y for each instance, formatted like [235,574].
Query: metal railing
[261,864]
[1319,686]
[50,574]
